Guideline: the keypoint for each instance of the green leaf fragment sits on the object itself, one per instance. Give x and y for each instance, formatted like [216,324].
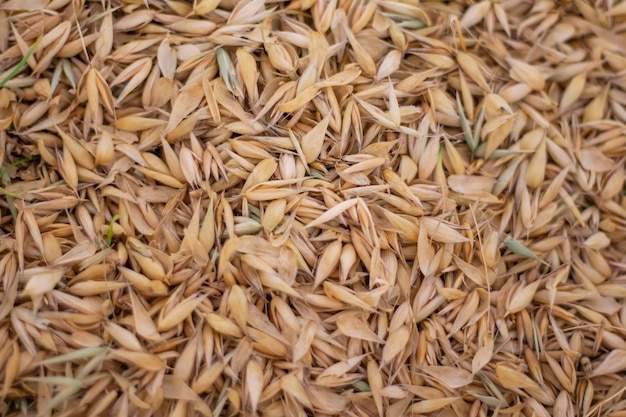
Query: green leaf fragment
[76,355]
[498,153]
[413,24]
[442,148]
[14,164]
[73,385]
[93,363]
[227,70]
[362,386]
[56,77]
[491,402]
[67,70]
[22,63]
[61,397]
[221,402]
[493,389]
[54,380]
[479,124]
[505,177]
[535,335]
[5,179]
[316,173]
[519,249]
[110,230]
[465,125]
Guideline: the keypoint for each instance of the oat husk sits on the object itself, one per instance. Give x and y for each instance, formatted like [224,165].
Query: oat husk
[312,208]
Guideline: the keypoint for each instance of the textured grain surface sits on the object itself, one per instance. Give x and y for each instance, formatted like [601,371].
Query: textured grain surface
[320,208]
